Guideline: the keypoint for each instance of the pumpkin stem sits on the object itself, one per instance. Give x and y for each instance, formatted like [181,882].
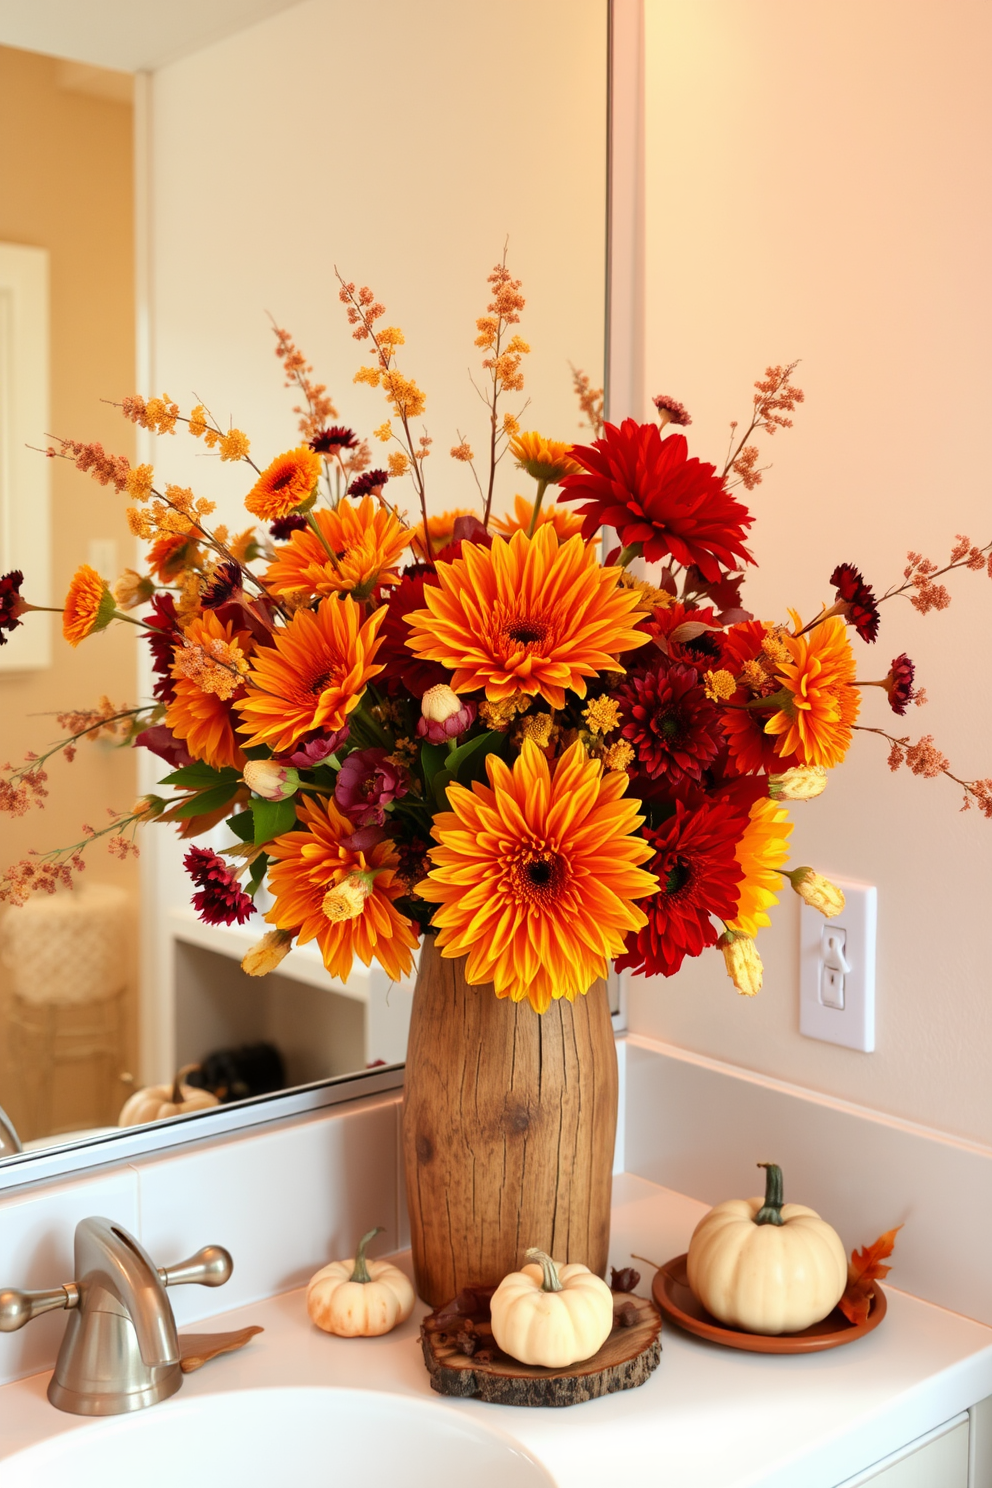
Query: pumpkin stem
[550,1281]
[177,1096]
[771,1210]
[361,1271]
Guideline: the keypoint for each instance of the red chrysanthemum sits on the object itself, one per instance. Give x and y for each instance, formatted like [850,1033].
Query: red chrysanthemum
[668,719]
[402,671]
[695,860]
[221,900]
[11,604]
[654,496]
[677,627]
[855,600]
[162,637]
[899,683]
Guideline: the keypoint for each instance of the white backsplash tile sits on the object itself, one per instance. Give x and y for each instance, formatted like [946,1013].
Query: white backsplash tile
[36,1235]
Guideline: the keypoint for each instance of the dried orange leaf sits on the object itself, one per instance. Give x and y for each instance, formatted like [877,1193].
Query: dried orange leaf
[864,1268]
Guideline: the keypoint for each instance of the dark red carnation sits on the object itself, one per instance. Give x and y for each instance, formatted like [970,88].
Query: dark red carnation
[696,863]
[220,900]
[372,480]
[899,683]
[669,720]
[284,527]
[402,670]
[224,585]
[11,604]
[855,600]
[330,441]
[313,748]
[655,497]
[162,638]
[674,411]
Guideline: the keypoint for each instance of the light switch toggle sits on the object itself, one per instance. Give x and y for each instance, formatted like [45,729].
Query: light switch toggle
[834,967]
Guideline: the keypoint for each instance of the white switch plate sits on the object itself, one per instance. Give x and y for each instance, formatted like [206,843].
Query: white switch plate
[835,1005]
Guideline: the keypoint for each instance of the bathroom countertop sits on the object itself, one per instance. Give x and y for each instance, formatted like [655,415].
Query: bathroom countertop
[709,1417]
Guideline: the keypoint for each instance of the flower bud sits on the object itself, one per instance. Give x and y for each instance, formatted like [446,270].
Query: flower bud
[273,781]
[801,783]
[147,808]
[444,715]
[816,891]
[132,589]
[743,963]
[266,956]
[346,900]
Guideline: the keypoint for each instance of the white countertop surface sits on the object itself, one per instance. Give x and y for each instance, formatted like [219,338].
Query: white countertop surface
[709,1417]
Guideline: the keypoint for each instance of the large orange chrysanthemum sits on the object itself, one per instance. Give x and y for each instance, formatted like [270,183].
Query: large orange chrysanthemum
[536,873]
[202,717]
[366,541]
[313,676]
[312,862]
[526,615]
[761,851]
[565,523]
[89,605]
[285,484]
[815,723]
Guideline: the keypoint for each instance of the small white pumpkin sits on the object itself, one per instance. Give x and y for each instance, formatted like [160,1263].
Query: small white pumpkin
[360,1298]
[765,1266]
[156,1102]
[551,1315]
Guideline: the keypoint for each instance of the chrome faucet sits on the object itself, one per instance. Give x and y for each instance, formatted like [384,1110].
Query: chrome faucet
[121,1349]
[10,1142]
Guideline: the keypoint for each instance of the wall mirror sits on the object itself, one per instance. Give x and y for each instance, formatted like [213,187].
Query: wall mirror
[184,196]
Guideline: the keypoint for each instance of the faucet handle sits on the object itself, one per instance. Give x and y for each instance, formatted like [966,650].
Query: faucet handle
[211,1266]
[18,1308]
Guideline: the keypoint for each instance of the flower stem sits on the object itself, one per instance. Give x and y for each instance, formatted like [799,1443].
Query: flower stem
[542,486]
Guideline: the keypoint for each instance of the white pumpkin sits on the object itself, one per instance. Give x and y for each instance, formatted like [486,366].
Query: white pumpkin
[156,1102]
[360,1298]
[765,1266]
[551,1315]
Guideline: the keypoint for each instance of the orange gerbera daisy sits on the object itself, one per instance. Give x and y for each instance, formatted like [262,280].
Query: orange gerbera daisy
[312,676]
[528,615]
[565,523]
[89,605]
[816,720]
[366,541]
[441,529]
[202,715]
[536,873]
[168,556]
[314,869]
[286,484]
[761,851]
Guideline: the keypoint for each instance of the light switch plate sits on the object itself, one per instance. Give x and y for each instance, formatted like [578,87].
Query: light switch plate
[835,1004]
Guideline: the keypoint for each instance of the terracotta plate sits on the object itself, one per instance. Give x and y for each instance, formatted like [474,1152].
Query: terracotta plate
[676,1301]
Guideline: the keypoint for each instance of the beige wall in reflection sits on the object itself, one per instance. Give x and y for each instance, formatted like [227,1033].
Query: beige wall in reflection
[817,187]
[66,185]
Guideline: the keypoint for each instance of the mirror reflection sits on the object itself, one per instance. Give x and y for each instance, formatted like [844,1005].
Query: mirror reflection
[410,169]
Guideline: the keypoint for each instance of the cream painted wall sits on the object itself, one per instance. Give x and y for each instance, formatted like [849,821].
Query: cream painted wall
[818,187]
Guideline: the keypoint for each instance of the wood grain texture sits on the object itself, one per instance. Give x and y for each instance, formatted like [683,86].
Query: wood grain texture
[509,1122]
[627,1358]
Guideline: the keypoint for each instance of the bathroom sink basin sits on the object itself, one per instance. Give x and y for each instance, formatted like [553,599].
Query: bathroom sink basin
[274,1438]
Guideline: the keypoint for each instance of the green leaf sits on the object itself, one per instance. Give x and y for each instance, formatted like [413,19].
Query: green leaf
[199,776]
[473,753]
[257,874]
[207,800]
[433,757]
[272,818]
[243,826]
[440,784]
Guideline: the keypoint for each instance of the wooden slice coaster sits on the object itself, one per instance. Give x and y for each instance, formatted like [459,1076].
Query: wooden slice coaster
[628,1356]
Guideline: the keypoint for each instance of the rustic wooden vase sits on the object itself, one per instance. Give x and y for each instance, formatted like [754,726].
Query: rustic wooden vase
[509,1120]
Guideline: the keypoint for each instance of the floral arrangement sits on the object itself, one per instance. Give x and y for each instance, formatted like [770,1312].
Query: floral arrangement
[474,726]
